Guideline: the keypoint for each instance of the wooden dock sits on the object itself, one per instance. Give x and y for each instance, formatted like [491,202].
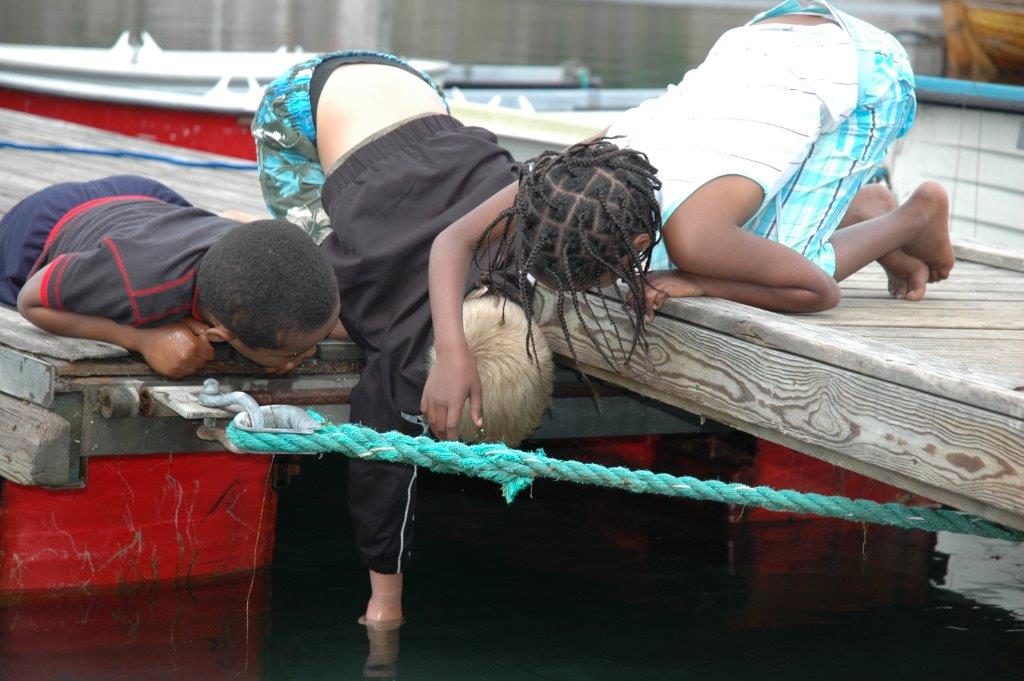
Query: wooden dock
[926,396]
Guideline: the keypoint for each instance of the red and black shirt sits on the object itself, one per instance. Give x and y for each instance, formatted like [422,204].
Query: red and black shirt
[133,260]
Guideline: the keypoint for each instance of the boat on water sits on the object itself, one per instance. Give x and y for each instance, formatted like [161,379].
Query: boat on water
[204,100]
[189,98]
[226,81]
[967,136]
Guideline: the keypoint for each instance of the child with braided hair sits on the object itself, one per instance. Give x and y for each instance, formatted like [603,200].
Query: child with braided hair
[762,154]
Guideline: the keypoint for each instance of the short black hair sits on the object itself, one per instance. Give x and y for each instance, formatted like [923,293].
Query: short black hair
[264,280]
[573,221]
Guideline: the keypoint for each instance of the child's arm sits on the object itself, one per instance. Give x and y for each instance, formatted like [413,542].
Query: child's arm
[704,238]
[676,284]
[174,350]
[454,377]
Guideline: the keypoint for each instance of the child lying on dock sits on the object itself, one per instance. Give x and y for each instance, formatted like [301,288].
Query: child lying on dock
[126,260]
[761,153]
[358,149]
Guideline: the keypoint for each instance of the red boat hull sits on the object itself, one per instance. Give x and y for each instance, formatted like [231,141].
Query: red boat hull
[219,133]
[139,519]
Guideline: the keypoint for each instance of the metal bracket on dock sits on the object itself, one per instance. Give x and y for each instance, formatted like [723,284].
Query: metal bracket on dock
[273,418]
[212,397]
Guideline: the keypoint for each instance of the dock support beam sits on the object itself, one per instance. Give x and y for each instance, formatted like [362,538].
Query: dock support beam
[35,444]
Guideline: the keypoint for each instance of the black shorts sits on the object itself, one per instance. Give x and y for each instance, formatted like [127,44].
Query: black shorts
[387,201]
[25,228]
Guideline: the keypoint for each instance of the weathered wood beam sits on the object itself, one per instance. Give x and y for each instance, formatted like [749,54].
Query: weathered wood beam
[885,361]
[26,377]
[983,252]
[34,444]
[20,334]
[966,456]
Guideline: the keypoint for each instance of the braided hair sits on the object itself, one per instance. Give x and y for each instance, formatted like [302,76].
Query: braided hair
[572,226]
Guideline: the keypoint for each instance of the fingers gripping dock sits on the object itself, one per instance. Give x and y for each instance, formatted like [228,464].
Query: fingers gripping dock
[926,396]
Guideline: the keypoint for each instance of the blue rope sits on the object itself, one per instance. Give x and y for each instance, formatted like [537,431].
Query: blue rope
[516,470]
[122,153]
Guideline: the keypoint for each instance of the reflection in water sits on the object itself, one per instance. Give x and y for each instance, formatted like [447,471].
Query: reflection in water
[627,42]
[203,632]
[988,571]
[383,648]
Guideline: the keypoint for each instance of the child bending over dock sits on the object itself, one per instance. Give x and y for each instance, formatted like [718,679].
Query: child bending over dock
[127,260]
[760,155]
[358,149]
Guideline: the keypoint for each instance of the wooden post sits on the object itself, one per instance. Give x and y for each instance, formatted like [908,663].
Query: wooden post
[34,444]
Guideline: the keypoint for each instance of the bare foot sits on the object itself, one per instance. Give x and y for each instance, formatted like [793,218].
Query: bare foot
[908,276]
[929,204]
[382,612]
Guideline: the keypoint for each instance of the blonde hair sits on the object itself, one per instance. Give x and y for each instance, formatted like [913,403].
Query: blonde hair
[516,387]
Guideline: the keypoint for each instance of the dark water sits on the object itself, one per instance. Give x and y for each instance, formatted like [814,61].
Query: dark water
[571,584]
[633,43]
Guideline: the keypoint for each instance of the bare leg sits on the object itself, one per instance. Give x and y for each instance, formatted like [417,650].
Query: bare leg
[385,605]
[908,276]
[920,227]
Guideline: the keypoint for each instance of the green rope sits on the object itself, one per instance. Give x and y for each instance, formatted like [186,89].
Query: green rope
[516,470]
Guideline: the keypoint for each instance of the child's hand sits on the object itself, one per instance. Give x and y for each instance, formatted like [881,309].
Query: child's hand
[451,381]
[668,284]
[176,350]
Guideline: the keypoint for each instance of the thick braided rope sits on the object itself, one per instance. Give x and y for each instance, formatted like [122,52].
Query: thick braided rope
[516,470]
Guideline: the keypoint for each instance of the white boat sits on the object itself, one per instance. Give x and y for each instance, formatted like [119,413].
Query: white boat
[146,74]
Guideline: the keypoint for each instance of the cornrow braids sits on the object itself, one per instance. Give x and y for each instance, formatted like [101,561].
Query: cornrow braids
[572,226]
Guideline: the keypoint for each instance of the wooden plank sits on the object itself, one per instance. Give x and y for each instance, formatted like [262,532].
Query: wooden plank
[924,317]
[964,270]
[940,293]
[833,346]
[962,455]
[209,188]
[966,335]
[895,307]
[1002,257]
[18,333]
[953,290]
[34,444]
[26,377]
